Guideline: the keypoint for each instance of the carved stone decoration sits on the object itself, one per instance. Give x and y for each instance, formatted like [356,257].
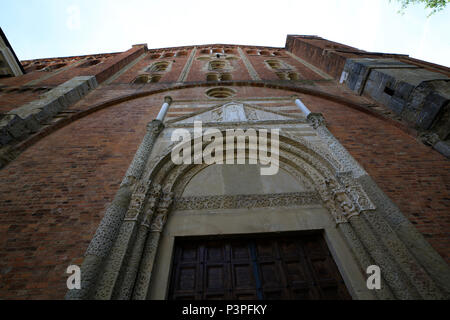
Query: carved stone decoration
[216,115]
[316,120]
[152,200]
[161,213]
[137,201]
[344,197]
[429,138]
[250,113]
[295,199]
[356,192]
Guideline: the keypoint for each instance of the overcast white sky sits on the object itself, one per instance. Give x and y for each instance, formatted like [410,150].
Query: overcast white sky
[54,28]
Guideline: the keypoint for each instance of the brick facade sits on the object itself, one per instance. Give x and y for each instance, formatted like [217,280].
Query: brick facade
[54,193]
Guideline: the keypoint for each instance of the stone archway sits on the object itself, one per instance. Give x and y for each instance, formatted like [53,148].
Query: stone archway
[120,259]
[341,195]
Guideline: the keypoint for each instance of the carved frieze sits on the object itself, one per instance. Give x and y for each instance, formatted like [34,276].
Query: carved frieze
[247,201]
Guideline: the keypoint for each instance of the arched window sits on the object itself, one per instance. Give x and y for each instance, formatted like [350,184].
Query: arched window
[282,76]
[181,53]
[217,65]
[293,76]
[274,64]
[155,56]
[168,55]
[220,93]
[143,78]
[56,66]
[155,78]
[160,66]
[205,51]
[226,77]
[264,53]
[89,63]
[212,77]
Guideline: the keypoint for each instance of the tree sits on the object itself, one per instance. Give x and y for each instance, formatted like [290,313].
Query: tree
[433,5]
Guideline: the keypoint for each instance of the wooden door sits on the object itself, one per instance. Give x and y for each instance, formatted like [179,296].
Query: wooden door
[255,268]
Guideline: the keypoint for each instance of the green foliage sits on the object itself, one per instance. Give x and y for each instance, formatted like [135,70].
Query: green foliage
[433,5]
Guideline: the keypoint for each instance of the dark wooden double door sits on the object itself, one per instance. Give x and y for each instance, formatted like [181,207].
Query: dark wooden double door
[256,268]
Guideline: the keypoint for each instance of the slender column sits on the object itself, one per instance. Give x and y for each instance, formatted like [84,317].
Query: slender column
[248,65]
[165,107]
[184,74]
[107,232]
[302,107]
[151,247]
[123,244]
[125,288]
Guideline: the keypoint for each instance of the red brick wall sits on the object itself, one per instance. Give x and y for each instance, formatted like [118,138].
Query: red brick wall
[54,194]
[12,100]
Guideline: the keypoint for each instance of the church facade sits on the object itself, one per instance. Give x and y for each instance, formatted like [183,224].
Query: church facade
[225,172]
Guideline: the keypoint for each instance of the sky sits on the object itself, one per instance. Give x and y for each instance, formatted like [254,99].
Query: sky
[59,28]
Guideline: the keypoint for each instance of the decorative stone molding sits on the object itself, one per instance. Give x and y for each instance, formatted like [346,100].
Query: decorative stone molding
[296,199]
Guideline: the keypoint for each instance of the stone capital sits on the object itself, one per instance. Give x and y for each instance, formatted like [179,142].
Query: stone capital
[155,126]
[168,99]
[316,119]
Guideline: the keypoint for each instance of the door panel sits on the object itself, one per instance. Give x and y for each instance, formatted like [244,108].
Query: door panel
[250,268]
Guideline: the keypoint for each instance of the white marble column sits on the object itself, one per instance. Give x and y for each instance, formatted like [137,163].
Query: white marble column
[302,107]
[165,107]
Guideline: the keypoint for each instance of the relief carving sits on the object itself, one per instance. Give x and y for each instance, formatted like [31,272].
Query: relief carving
[162,212]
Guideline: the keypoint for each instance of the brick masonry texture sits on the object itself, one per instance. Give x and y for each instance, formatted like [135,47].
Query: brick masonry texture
[53,196]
